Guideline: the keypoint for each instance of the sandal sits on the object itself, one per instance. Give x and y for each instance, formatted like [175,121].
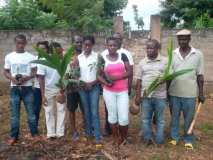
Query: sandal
[189,146]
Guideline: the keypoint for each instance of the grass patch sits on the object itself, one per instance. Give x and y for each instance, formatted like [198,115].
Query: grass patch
[160,157]
[207,128]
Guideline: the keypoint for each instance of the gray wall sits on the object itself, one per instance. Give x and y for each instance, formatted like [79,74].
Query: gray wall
[202,39]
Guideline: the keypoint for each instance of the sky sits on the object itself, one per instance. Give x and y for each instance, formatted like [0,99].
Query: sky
[145,9]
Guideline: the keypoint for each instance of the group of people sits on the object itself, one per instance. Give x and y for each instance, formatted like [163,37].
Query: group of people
[109,73]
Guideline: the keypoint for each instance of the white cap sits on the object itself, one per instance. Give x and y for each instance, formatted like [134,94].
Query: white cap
[183,32]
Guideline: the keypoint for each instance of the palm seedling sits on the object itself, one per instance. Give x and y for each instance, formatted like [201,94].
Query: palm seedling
[167,75]
[55,61]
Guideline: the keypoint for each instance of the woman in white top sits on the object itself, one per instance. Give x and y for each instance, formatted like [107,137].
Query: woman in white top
[87,62]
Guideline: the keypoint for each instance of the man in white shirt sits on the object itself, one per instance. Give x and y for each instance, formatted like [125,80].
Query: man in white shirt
[48,78]
[20,71]
[184,89]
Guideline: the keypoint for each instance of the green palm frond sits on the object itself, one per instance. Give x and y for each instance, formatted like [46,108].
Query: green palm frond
[54,60]
[169,55]
[176,74]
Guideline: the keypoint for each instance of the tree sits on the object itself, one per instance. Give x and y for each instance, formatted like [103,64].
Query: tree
[138,20]
[25,14]
[87,15]
[186,12]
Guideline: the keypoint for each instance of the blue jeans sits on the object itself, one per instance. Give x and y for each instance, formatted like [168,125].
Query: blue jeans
[37,103]
[187,106]
[152,106]
[16,95]
[90,102]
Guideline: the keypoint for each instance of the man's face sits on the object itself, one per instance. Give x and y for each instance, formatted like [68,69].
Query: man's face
[78,41]
[20,45]
[152,50]
[183,40]
[118,39]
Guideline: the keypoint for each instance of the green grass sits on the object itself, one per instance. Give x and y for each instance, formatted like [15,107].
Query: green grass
[207,128]
[163,156]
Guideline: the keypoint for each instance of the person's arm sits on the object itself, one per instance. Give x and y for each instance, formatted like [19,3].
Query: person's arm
[100,72]
[200,79]
[200,82]
[130,79]
[8,75]
[41,79]
[138,92]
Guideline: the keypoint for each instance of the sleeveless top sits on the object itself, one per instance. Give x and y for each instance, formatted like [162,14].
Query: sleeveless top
[116,68]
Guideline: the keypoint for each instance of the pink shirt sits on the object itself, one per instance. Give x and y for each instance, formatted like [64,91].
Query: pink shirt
[116,68]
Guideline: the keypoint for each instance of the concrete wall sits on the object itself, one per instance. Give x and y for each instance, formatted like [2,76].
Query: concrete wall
[135,42]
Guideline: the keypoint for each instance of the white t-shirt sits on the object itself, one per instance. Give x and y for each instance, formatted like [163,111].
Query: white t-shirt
[120,51]
[51,79]
[88,66]
[19,63]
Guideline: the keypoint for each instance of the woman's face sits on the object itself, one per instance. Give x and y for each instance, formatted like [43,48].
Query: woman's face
[87,46]
[112,46]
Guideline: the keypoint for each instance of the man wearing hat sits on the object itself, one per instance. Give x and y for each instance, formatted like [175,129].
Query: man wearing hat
[184,89]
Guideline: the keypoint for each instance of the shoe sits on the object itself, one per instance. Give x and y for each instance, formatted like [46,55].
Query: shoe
[98,145]
[106,134]
[51,138]
[28,136]
[189,146]
[11,141]
[75,136]
[173,142]
[148,142]
[35,138]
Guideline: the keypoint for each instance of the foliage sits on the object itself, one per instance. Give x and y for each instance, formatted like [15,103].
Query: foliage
[186,12]
[54,60]
[166,76]
[25,14]
[207,128]
[113,7]
[87,16]
[204,21]
[138,20]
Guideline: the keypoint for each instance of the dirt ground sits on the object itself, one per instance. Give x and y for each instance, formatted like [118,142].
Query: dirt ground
[65,149]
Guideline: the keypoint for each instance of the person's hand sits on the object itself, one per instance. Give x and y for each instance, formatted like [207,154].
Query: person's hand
[201,98]
[14,81]
[112,78]
[129,91]
[108,84]
[22,80]
[88,86]
[137,100]
[44,101]
[62,91]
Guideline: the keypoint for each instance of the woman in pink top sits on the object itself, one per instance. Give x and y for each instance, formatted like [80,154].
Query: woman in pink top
[114,77]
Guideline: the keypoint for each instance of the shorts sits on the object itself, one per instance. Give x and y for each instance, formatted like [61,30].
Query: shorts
[73,100]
